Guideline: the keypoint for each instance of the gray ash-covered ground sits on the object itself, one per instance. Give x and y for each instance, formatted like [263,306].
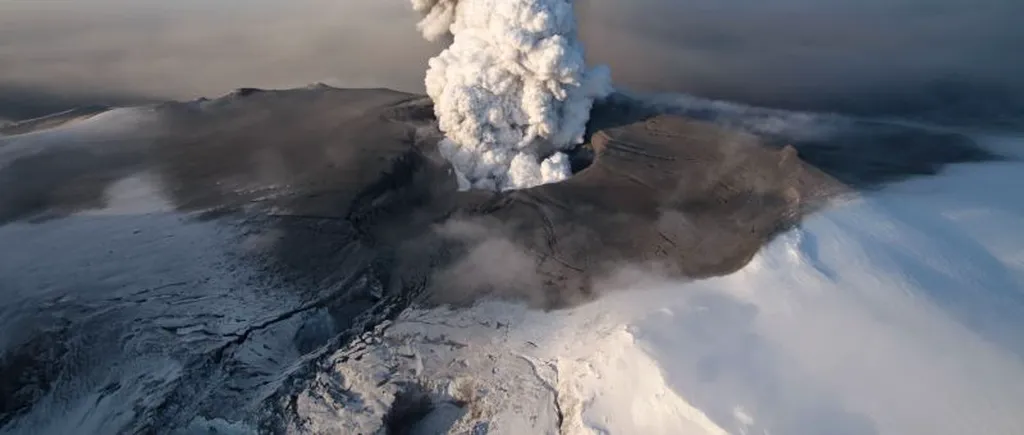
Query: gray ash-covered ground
[201,263]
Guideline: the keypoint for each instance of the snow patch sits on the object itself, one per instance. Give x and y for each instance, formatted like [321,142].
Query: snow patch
[136,194]
[122,125]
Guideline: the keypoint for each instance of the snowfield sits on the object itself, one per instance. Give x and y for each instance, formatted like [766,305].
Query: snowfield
[896,312]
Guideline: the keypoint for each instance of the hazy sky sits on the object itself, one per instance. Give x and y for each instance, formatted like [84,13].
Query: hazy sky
[842,54]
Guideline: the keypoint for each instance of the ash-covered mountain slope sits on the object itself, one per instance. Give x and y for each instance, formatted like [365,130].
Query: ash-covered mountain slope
[195,258]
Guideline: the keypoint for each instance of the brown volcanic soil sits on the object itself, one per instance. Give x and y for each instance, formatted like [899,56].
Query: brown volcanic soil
[684,197]
[687,197]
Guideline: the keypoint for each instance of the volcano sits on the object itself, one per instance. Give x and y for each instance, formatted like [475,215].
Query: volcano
[203,258]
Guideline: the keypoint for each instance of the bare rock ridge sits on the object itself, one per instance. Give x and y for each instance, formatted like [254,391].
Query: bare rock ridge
[342,212]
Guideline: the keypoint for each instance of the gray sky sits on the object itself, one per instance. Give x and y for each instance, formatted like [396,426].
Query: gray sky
[862,55]
[187,48]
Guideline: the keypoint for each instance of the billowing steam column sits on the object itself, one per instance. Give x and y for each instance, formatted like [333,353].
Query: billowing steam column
[512,90]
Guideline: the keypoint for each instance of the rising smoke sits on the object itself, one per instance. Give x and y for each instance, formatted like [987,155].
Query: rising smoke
[511,91]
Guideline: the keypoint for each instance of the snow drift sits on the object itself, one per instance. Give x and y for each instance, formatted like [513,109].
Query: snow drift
[511,91]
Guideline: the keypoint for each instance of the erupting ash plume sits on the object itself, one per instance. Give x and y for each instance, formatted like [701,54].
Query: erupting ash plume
[511,91]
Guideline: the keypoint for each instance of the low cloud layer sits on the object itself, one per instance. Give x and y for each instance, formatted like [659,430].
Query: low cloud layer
[863,56]
[191,48]
[869,56]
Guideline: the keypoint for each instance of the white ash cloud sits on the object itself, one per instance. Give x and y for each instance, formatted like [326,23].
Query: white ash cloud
[511,91]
